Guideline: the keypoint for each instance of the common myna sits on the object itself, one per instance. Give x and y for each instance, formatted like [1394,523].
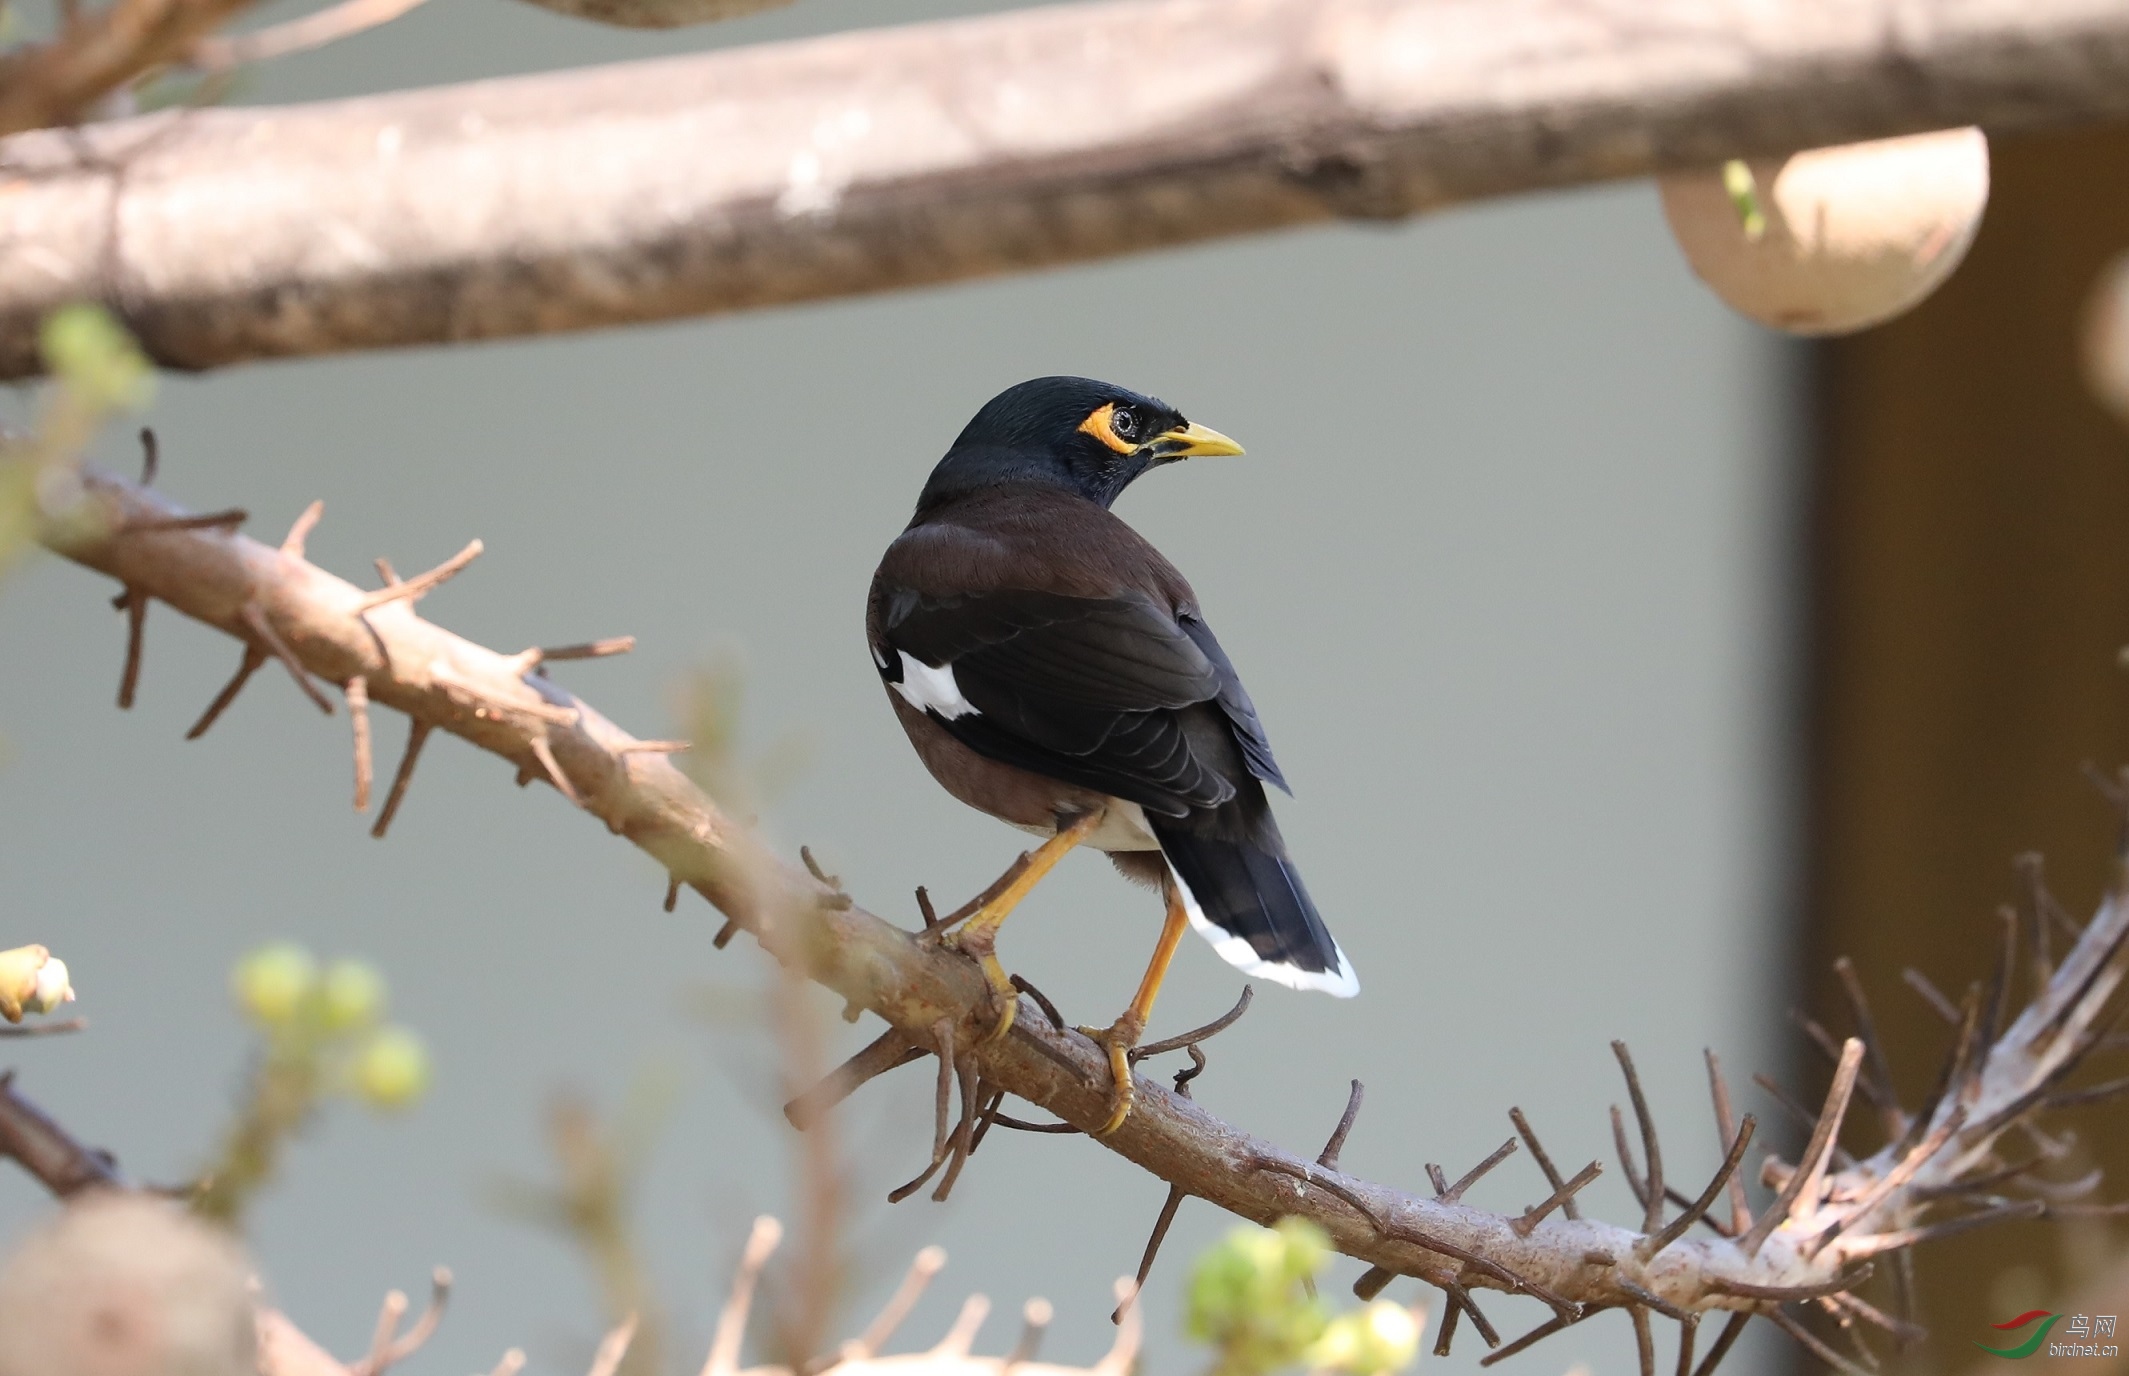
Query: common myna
[1054,671]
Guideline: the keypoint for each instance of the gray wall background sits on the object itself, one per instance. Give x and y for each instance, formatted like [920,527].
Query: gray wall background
[1508,568]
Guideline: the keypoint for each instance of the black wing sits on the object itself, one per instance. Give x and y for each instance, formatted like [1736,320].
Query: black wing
[1113,694]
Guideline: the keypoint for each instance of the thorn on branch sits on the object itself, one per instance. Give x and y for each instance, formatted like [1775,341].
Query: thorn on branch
[1800,1195]
[672,892]
[942,1034]
[1931,995]
[732,1322]
[1537,1152]
[1527,1341]
[358,711]
[1726,1131]
[528,660]
[922,1269]
[1724,1174]
[1894,1179]
[1688,1330]
[1732,1329]
[1809,1341]
[134,603]
[653,747]
[1042,1000]
[150,456]
[613,1348]
[964,1143]
[421,584]
[1644,1341]
[544,753]
[1035,1318]
[388,1346]
[1649,1298]
[1477,1173]
[1880,1069]
[1200,1034]
[417,733]
[254,616]
[1328,1158]
[1915,1237]
[725,933]
[1561,1195]
[295,542]
[1652,1201]
[246,667]
[229,518]
[889,1051]
[1169,1206]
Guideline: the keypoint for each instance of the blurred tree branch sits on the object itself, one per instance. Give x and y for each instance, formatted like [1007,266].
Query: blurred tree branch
[1940,1172]
[934,152]
[97,52]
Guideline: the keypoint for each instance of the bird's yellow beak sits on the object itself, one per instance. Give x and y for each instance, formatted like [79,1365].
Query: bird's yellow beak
[1192,442]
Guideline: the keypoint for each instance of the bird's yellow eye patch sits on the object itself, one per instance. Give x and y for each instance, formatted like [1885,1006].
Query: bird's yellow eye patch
[1101,425]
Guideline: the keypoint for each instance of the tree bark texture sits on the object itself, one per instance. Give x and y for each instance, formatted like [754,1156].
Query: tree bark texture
[891,158]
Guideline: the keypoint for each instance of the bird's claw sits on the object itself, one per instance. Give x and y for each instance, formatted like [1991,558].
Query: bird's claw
[1117,1040]
[979,944]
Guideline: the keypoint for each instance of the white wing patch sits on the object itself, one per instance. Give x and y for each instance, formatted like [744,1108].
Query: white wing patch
[1340,983]
[932,690]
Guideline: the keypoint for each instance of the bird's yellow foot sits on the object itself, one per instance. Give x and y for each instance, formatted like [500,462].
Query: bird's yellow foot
[1117,1039]
[978,941]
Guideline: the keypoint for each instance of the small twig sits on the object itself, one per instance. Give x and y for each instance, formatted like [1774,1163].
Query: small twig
[924,907]
[1812,1168]
[229,518]
[510,1364]
[249,665]
[653,747]
[151,456]
[889,1051]
[134,603]
[1329,1156]
[1460,1299]
[544,753]
[1931,994]
[221,52]
[1866,1029]
[1562,1194]
[1894,1179]
[1915,1237]
[1724,1174]
[1528,1340]
[1726,1131]
[1810,1343]
[254,616]
[1042,1000]
[1176,1195]
[1644,1341]
[672,892]
[964,1133]
[613,1347]
[1688,1330]
[1196,1034]
[942,1034]
[47,1151]
[922,1269]
[388,1346]
[1732,1328]
[297,540]
[417,732]
[588,649]
[1537,1151]
[1791,1294]
[1476,1173]
[1904,1333]
[1035,1318]
[723,1359]
[1634,1182]
[358,711]
[1653,1183]
[1649,1298]
[44,1029]
[421,584]
[962,1335]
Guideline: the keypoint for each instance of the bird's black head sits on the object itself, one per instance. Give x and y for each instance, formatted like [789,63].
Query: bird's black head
[1088,437]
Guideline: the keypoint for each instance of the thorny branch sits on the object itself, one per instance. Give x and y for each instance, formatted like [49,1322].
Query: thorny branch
[1956,1166]
[956,149]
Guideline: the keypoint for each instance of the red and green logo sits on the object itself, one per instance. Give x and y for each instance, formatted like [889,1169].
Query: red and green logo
[2030,1345]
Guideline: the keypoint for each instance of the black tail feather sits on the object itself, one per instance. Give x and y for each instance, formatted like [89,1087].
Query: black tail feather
[1234,863]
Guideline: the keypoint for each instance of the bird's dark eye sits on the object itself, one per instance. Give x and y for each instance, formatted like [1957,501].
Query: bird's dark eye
[1125,423]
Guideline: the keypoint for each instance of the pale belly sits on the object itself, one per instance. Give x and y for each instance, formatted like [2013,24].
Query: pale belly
[1123,827]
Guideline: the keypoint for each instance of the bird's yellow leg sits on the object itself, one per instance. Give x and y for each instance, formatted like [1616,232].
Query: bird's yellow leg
[1123,1034]
[978,936]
